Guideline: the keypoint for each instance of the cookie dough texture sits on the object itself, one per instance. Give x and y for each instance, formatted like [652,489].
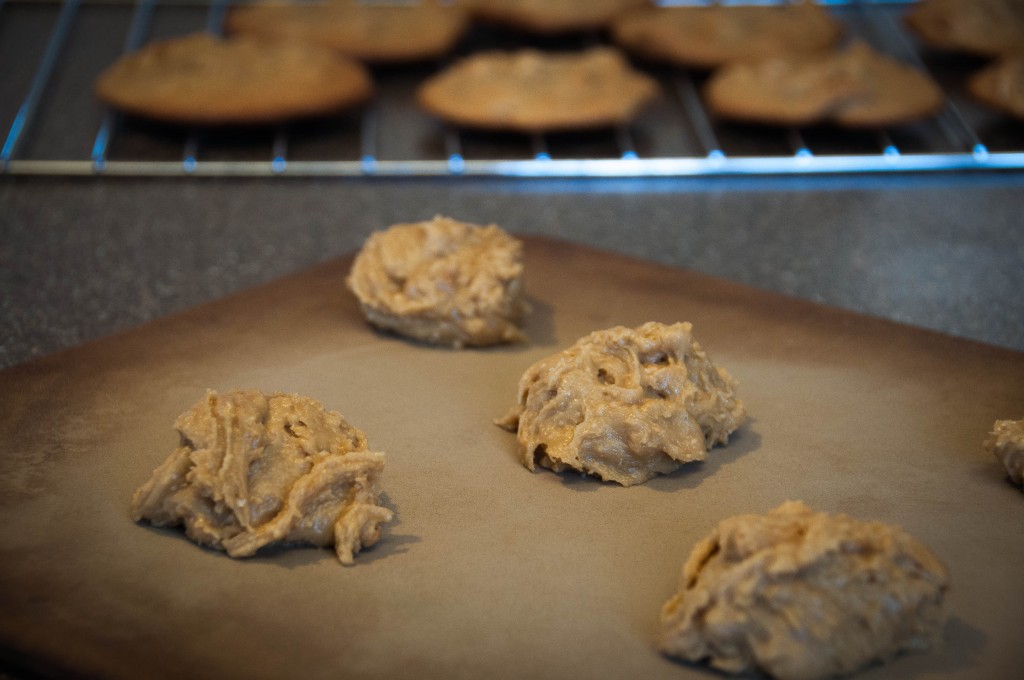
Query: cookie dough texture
[625,404]
[548,17]
[987,28]
[856,87]
[530,91]
[206,80]
[1006,443]
[1001,86]
[373,33]
[710,36]
[442,282]
[800,595]
[255,469]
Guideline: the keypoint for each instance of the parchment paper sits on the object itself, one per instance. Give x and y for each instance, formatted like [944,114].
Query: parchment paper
[489,571]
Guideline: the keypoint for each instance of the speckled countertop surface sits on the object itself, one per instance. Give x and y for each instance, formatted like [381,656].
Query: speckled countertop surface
[84,258]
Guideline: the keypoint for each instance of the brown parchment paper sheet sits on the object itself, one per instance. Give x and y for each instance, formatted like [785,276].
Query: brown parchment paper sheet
[489,571]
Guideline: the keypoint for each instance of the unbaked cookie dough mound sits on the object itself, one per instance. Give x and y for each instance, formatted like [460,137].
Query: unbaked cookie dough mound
[1006,443]
[801,595]
[254,469]
[625,404]
[442,282]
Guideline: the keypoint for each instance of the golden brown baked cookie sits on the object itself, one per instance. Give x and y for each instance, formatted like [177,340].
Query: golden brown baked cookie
[371,33]
[856,87]
[624,404]
[1006,443]
[801,595]
[443,282]
[709,36]
[204,79]
[531,91]
[551,16]
[988,28]
[255,469]
[1001,86]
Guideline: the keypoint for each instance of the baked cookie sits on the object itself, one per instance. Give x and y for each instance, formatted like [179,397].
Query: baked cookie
[549,17]
[801,595]
[531,91]
[1001,86]
[203,79]
[442,282]
[1006,443]
[255,469]
[371,33]
[856,87]
[988,28]
[709,36]
[624,404]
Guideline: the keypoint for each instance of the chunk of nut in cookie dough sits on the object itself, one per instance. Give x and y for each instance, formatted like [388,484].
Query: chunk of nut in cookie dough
[801,595]
[1006,443]
[625,404]
[253,469]
[442,282]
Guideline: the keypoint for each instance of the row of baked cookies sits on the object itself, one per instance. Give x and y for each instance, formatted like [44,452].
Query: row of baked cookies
[773,64]
[283,61]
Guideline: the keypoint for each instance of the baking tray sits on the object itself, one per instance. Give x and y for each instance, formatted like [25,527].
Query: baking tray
[488,570]
[52,50]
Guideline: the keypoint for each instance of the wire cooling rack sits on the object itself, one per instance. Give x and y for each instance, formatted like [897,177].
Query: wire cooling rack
[51,51]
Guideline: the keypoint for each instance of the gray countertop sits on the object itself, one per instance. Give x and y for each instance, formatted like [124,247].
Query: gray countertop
[84,258]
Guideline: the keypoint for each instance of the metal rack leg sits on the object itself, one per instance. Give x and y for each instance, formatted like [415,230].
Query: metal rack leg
[368,139]
[280,152]
[142,18]
[624,140]
[27,111]
[453,150]
[697,116]
[797,143]
[539,146]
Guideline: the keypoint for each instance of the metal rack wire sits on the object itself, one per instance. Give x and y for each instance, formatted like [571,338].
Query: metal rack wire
[678,139]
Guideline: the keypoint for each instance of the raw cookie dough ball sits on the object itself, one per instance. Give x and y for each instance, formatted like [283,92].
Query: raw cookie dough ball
[442,282]
[254,469]
[801,595]
[1006,443]
[625,404]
